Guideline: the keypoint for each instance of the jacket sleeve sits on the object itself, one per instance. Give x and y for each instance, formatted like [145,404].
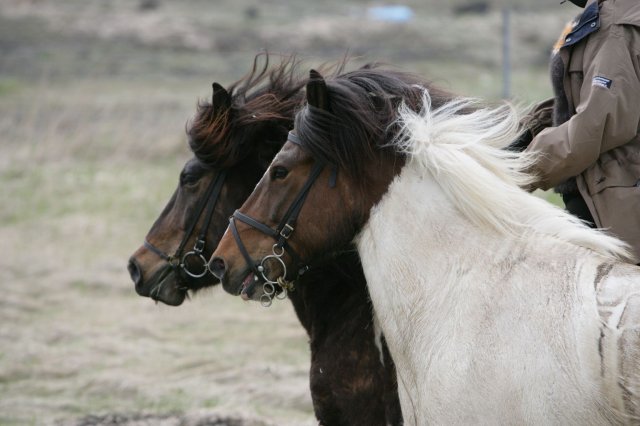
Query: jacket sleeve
[533,122]
[605,118]
[539,117]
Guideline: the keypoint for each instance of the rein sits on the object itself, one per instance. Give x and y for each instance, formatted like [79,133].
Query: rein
[177,260]
[281,235]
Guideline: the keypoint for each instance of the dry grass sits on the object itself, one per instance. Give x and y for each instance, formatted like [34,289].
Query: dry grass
[75,338]
[94,97]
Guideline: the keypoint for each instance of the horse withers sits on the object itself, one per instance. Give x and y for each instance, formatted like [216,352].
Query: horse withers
[498,307]
[234,136]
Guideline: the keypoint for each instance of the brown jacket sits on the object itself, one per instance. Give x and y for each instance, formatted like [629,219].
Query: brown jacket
[600,143]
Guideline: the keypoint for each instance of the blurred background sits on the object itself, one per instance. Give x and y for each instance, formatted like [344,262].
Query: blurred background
[94,97]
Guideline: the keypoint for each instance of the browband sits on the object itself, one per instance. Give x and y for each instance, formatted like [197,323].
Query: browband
[293,138]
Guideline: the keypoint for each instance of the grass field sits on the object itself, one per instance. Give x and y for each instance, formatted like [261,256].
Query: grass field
[94,97]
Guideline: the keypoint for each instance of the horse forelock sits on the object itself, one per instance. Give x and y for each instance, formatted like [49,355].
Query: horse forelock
[360,121]
[267,97]
[461,145]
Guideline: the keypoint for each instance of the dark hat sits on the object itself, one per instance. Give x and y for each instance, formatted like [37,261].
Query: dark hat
[579,3]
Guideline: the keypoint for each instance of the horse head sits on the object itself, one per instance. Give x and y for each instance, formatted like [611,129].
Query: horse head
[320,188]
[233,138]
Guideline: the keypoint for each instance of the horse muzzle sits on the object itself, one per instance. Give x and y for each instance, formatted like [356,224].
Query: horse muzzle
[163,286]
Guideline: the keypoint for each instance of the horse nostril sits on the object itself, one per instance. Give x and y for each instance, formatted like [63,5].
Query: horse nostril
[134,271]
[217,267]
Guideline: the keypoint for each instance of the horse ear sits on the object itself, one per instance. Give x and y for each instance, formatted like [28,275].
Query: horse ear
[220,100]
[317,94]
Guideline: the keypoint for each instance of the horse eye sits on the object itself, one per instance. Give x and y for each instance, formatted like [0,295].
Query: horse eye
[279,172]
[188,178]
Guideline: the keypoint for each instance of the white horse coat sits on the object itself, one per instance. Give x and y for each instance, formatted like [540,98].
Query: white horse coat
[497,307]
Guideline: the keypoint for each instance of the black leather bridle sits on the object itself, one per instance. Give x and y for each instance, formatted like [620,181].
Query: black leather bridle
[281,236]
[177,260]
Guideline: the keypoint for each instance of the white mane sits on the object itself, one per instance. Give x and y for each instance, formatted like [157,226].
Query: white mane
[463,151]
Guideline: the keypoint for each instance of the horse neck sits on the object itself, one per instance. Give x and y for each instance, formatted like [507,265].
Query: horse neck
[421,257]
[332,294]
[416,224]
[433,276]
[332,303]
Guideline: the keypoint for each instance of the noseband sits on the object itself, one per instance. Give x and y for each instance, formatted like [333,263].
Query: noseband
[177,260]
[281,235]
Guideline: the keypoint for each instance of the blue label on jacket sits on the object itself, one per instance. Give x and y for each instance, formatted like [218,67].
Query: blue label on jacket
[601,82]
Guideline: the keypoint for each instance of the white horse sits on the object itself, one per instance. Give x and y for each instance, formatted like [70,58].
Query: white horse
[498,307]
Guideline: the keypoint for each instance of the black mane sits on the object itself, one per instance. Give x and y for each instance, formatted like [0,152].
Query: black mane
[264,102]
[362,111]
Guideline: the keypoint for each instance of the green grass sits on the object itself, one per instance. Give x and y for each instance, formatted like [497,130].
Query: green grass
[9,86]
[96,189]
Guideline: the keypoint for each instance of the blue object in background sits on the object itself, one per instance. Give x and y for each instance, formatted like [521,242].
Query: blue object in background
[397,13]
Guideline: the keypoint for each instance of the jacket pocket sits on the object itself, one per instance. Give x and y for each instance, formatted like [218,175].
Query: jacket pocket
[599,184]
[613,184]
[611,173]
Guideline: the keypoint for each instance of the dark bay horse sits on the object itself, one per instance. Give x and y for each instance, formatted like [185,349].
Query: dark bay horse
[498,307]
[233,138]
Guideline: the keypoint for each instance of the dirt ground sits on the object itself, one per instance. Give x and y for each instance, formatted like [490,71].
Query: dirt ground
[94,97]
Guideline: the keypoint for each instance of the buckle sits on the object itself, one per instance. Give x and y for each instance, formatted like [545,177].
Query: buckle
[198,247]
[286,231]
